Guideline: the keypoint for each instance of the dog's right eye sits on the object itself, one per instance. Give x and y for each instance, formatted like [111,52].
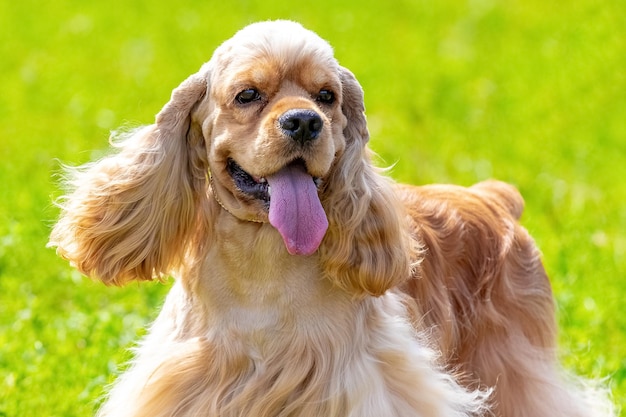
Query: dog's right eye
[248,96]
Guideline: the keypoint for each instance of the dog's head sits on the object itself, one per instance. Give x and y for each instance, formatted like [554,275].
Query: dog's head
[273,129]
[273,124]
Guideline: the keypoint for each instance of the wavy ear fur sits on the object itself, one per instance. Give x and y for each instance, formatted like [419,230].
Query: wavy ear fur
[367,248]
[134,214]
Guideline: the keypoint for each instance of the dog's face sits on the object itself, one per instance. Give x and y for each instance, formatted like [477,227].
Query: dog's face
[273,124]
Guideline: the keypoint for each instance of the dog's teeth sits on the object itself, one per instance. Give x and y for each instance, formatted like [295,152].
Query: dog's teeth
[262,180]
[269,190]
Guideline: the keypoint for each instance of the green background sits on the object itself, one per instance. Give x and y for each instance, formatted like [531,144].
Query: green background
[530,92]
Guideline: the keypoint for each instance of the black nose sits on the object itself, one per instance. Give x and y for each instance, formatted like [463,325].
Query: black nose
[301,125]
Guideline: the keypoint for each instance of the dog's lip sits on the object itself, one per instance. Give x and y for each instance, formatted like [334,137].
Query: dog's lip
[254,186]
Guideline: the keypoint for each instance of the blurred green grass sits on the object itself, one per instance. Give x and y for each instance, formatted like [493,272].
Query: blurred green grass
[532,93]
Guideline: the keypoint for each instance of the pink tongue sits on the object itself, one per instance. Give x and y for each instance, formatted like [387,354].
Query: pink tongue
[296,211]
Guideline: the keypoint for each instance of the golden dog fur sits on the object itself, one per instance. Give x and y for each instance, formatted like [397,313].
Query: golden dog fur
[419,301]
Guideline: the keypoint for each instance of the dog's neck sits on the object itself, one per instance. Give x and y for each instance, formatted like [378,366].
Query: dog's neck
[248,271]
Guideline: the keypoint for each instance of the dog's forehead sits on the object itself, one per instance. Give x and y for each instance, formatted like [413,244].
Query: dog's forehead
[285,42]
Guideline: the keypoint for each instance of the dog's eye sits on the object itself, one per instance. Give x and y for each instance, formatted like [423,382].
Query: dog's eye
[326,97]
[248,96]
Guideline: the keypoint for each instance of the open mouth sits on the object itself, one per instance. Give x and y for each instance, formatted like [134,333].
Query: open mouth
[256,187]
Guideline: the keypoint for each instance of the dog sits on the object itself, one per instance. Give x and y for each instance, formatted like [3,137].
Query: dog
[307,282]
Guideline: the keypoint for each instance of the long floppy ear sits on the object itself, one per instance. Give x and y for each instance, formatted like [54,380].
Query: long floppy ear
[367,248]
[134,214]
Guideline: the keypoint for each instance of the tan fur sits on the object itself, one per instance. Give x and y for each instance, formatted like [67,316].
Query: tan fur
[414,291]
[483,290]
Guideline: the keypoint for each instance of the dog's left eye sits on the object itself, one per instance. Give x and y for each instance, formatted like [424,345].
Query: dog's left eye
[248,96]
[326,97]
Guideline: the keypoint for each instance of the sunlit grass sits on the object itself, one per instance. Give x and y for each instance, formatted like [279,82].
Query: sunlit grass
[530,93]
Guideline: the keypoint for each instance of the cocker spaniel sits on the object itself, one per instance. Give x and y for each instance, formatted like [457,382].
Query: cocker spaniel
[307,283]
